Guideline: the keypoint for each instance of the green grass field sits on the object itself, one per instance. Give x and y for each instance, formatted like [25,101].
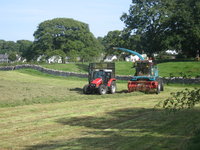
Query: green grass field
[125,68]
[39,111]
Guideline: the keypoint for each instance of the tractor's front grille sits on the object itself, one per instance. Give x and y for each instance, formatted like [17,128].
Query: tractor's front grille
[92,85]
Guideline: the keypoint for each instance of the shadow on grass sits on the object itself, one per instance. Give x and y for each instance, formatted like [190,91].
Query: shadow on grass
[122,91]
[77,90]
[129,129]
[80,91]
[113,142]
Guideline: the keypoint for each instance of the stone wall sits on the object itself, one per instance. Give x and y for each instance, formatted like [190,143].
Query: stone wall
[181,80]
[84,75]
[44,70]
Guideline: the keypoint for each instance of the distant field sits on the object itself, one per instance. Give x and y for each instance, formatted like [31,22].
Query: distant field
[39,111]
[125,68]
[176,68]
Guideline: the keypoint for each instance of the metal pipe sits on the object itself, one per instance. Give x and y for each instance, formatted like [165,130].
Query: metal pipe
[129,51]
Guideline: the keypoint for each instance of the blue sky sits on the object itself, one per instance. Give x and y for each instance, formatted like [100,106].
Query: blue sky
[20,18]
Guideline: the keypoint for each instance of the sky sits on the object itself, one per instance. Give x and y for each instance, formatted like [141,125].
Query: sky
[19,19]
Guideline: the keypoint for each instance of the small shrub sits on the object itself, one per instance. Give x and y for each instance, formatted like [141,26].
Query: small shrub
[181,100]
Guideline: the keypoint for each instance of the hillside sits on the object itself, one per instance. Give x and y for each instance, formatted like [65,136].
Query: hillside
[125,68]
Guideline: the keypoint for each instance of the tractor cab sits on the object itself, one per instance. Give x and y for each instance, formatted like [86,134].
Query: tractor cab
[105,75]
[101,78]
[146,68]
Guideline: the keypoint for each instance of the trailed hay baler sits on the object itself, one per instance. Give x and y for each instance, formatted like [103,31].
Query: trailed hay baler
[146,77]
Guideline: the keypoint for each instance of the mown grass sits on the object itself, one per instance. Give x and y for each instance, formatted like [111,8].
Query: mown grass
[125,68]
[67,119]
[30,86]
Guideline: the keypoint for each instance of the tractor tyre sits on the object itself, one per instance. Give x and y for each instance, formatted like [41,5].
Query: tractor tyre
[102,89]
[158,88]
[162,85]
[113,87]
[86,89]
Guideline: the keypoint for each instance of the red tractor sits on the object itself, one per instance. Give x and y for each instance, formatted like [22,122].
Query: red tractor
[101,79]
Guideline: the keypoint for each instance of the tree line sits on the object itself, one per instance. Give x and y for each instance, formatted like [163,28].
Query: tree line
[154,26]
[151,26]
[59,36]
[20,47]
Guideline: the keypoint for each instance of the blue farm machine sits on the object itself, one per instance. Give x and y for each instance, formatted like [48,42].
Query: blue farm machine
[146,77]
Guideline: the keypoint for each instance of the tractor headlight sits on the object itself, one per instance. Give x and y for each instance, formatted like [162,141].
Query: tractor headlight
[93,85]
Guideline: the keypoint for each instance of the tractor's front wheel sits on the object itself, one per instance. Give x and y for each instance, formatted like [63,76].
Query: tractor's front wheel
[86,89]
[113,87]
[102,89]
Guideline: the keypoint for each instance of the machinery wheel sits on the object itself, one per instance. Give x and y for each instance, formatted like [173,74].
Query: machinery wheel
[158,88]
[162,85]
[102,89]
[113,87]
[86,89]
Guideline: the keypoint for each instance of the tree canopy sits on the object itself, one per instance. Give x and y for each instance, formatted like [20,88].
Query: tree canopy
[112,39]
[8,46]
[22,47]
[151,26]
[67,35]
[164,24]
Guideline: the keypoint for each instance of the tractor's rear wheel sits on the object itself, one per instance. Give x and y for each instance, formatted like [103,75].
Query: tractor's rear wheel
[158,88]
[102,89]
[113,87]
[86,89]
[162,85]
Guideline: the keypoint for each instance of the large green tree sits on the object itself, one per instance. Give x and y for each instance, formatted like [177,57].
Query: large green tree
[112,39]
[183,26]
[24,47]
[66,35]
[21,47]
[164,24]
[143,24]
[8,46]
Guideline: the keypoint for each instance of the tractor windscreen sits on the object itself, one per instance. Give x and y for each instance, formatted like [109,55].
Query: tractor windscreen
[143,69]
[106,70]
[98,74]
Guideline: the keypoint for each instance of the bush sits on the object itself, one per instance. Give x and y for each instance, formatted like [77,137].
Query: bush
[181,100]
